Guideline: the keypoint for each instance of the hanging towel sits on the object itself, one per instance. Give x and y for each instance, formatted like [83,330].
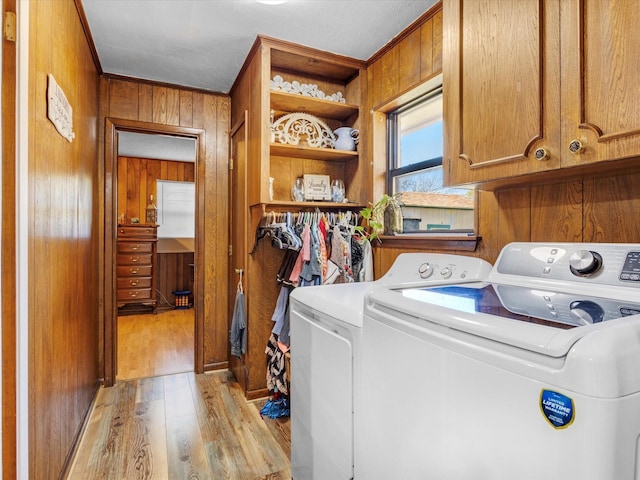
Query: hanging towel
[238,335]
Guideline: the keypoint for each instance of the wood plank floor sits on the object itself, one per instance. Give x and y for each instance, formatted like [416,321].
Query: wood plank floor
[182,426]
[150,345]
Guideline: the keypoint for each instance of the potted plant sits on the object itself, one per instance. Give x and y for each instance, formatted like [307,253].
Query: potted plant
[383,217]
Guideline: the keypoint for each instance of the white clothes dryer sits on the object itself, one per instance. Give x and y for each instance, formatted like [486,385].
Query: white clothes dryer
[326,343]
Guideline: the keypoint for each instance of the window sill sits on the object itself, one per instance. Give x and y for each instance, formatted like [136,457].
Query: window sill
[467,243]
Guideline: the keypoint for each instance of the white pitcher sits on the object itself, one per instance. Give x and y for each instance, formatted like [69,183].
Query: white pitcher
[348,138]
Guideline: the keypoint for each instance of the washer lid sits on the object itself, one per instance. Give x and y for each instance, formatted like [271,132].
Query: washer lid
[476,308]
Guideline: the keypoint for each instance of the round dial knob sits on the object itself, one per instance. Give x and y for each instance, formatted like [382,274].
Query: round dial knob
[425,270]
[584,262]
[586,312]
[446,272]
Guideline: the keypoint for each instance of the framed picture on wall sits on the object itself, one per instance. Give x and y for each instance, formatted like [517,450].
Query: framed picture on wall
[317,187]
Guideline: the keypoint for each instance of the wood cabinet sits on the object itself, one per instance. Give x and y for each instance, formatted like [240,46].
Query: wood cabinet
[136,265]
[256,159]
[536,88]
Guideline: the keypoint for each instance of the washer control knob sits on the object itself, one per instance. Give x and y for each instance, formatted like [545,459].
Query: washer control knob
[446,272]
[585,312]
[584,263]
[425,270]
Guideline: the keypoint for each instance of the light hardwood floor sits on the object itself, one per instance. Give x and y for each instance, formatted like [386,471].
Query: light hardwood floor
[150,345]
[181,426]
[162,421]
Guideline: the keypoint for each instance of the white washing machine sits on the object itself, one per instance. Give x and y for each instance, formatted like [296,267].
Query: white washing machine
[326,332]
[533,373]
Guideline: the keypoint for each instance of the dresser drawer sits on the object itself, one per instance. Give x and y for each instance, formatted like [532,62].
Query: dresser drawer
[134,259]
[134,282]
[137,232]
[135,247]
[134,271]
[133,294]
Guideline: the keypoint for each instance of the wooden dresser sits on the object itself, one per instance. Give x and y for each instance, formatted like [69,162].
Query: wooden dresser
[136,265]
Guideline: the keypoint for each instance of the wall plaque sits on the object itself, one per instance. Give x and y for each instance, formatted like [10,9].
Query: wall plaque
[59,109]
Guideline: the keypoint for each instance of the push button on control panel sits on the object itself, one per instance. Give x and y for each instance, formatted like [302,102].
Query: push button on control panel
[631,269]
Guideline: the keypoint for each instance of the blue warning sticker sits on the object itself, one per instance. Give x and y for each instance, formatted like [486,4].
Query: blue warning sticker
[557,408]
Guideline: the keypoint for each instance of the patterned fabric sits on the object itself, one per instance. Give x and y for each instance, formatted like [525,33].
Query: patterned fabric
[276,371]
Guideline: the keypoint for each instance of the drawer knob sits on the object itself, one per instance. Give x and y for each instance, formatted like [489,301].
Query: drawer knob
[541,154]
[576,146]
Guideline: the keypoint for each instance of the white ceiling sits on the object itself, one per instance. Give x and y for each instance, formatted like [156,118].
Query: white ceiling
[157,147]
[203,43]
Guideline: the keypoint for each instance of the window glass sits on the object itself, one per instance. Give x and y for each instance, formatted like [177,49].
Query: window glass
[415,149]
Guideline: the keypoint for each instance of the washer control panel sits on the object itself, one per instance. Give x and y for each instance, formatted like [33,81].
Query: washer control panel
[631,267]
[597,263]
[421,267]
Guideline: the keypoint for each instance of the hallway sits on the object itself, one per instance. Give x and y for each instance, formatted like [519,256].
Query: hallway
[181,426]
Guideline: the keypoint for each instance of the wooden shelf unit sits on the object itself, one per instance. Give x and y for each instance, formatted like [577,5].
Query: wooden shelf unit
[256,159]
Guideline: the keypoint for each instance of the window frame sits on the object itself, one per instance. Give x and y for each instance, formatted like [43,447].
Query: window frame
[393,137]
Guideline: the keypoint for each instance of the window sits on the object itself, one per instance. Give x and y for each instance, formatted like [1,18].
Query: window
[415,145]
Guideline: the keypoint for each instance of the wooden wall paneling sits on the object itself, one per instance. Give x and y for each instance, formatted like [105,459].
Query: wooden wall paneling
[436,46]
[426,50]
[210,270]
[172,171]
[611,209]
[186,108]
[173,106]
[374,96]
[220,215]
[409,58]
[133,190]
[63,273]
[556,212]
[104,190]
[389,74]
[514,217]
[143,195]
[154,167]
[159,105]
[488,226]
[261,303]
[145,103]
[123,99]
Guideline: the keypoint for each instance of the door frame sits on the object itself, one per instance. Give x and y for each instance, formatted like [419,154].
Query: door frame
[108,263]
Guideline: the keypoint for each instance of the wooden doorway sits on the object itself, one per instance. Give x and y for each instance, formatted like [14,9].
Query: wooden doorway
[112,127]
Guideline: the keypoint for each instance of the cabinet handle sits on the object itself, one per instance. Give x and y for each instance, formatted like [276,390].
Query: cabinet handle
[134,271]
[541,154]
[576,146]
[135,247]
[134,259]
[133,283]
[133,294]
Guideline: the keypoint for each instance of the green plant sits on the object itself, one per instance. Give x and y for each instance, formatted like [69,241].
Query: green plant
[374,216]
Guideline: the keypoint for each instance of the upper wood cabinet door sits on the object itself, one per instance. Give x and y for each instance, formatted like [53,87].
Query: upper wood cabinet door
[600,73]
[501,88]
